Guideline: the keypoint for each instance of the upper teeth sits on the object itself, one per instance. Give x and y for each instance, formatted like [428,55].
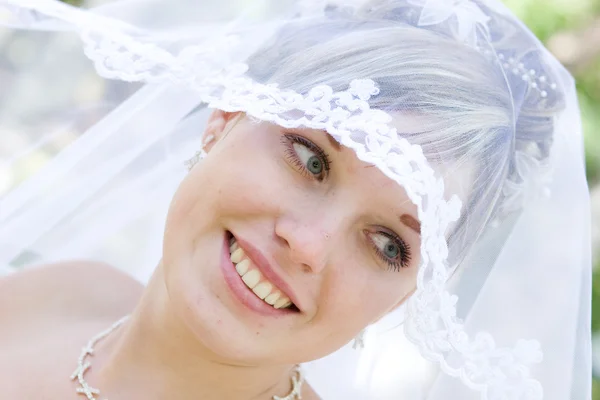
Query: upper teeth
[252,277]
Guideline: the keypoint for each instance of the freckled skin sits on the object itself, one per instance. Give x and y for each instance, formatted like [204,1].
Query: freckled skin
[316,232]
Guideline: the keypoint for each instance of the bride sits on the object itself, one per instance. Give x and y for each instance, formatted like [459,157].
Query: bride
[387,200]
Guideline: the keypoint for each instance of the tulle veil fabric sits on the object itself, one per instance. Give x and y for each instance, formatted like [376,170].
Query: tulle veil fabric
[100,108]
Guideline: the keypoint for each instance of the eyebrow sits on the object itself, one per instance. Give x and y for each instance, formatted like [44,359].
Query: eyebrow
[411,222]
[334,143]
[406,219]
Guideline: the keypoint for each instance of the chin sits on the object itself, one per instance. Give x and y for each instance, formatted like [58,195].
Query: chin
[199,296]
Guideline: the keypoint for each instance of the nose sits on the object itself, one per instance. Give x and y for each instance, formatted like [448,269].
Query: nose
[308,241]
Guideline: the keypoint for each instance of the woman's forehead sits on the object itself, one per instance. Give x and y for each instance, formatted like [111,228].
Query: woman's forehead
[458,174]
[368,179]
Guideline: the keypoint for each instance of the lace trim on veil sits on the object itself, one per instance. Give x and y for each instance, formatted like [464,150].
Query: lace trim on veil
[431,322]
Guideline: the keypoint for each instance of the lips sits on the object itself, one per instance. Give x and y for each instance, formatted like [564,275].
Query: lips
[253,281]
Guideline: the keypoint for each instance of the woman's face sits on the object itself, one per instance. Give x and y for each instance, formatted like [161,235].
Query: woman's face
[313,224]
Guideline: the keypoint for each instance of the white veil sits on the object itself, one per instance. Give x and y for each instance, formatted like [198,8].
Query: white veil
[92,171]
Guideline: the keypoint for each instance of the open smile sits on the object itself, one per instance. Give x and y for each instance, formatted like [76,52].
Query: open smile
[253,281]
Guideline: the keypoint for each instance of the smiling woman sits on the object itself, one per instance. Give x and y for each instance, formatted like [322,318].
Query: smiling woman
[393,172]
[305,230]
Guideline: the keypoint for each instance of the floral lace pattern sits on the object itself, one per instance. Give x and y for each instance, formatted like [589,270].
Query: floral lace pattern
[468,17]
[431,321]
[498,373]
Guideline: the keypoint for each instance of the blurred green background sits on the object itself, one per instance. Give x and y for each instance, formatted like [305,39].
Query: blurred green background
[571,30]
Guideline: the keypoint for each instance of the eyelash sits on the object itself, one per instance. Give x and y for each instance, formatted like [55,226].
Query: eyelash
[289,140]
[404,257]
[292,155]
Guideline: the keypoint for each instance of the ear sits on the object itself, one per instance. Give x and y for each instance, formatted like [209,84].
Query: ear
[219,123]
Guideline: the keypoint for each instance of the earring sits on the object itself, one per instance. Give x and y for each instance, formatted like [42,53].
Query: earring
[199,154]
[189,164]
[359,340]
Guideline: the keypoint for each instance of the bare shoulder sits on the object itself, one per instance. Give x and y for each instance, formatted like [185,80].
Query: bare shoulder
[75,289]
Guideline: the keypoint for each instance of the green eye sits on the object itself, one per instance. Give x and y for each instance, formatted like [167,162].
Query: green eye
[391,250]
[314,165]
[307,157]
[310,160]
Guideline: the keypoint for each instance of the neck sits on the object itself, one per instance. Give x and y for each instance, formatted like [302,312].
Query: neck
[154,356]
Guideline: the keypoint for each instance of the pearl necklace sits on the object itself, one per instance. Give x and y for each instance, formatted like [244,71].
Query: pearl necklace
[90,392]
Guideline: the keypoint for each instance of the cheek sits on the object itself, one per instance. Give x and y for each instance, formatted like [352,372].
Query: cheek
[239,174]
[249,177]
[358,296]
